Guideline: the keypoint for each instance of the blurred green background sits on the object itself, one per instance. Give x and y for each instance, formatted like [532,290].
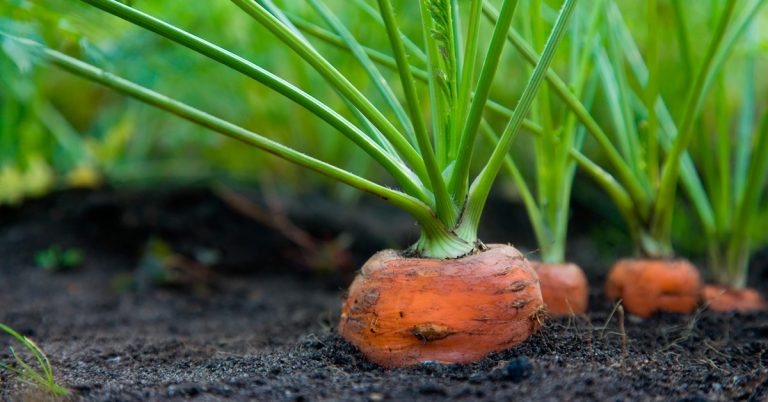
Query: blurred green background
[58,131]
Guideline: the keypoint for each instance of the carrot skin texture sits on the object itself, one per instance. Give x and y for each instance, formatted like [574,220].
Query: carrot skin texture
[564,287]
[403,311]
[724,299]
[649,285]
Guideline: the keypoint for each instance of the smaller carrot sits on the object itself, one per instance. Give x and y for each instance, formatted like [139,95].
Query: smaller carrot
[649,285]
[564,288]
[724,299]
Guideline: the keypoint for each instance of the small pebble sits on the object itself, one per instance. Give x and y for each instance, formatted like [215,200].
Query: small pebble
[518,369]
[476,378]
[432,389]
[693,398]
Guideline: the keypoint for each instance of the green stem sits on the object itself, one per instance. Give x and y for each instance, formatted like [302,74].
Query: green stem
[413,49]
[543,236]
[661,225]
[335,78]
[614,189]
[635,189]
[370,68]
[458,184]
[543,148]
[721,155]
[481,186]
[757,173]
[457,39]
[436,240]
[434,16]
[682,38]
[617,80]
[467,74]
[335,40]
[446,209]
[390,62]
[652,94]
[411,205]
[746,119]
[690,177]
[399,171]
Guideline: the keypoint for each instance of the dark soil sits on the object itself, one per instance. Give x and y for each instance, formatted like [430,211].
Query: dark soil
[259,325]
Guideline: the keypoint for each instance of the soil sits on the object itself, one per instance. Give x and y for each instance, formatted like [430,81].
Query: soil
[256,324]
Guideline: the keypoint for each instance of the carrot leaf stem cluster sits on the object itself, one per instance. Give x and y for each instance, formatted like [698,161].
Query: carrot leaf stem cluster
[429,158]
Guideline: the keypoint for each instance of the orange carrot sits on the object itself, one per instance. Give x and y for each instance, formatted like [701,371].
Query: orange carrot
[401,311]
[564,288]
[649,285]
[725,299]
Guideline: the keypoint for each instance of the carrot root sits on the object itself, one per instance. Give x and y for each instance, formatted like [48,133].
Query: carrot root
[564,287]
[402,311]
[649,285]
[724,299]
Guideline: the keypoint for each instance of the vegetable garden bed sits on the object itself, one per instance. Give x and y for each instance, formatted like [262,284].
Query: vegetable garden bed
[258,326]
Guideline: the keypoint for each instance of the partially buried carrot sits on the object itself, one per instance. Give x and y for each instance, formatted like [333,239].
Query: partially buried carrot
[401,311]
[725,299]
[564,288]
[649,285]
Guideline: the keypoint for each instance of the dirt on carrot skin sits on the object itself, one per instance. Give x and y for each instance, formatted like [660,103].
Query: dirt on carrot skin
[265,331]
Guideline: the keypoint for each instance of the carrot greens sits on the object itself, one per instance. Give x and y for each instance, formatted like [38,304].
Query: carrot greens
[733,160]
[430,159]
[548,202]
[644,166]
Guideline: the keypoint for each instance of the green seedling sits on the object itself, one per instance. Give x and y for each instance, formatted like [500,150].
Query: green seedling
[57,258]
[40,377]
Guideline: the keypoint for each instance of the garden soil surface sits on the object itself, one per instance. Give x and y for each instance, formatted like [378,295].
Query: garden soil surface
[181,297]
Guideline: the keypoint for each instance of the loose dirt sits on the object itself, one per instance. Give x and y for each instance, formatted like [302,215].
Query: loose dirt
[258,325]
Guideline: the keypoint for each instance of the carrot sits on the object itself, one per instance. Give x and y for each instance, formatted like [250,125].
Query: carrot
[401,311]
[649,285]
[725,299]
[564,288]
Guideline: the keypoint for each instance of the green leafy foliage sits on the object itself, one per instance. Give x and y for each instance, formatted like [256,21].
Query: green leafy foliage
[416,162]
[92,136]
[624,100]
